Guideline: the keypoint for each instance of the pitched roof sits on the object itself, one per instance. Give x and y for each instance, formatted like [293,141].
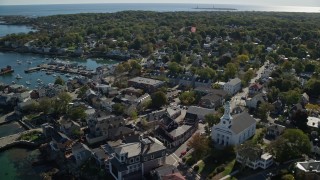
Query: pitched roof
[180,130]
[200,110]
[234,81]
[241,122]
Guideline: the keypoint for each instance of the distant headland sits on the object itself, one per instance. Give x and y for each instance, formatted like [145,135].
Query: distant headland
[215,8]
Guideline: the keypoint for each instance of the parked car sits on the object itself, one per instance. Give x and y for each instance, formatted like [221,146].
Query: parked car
[183,153]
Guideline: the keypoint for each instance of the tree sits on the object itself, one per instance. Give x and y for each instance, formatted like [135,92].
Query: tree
[313,86]
[291,97]
[207,73]
[263,110]
[248,76]
[118,108]
[59,81]
[300,119]
[187,97]
[273,94]
[174,68]
[293,143]
[45,105]
[61,103]
[200,145]
[159,99]
[242,58]
[230,70]
[76,113]
[212,119]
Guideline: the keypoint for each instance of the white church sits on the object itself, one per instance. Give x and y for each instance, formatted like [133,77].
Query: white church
[233,130]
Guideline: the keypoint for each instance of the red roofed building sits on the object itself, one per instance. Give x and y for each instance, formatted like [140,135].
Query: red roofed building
[255,89]
[193,29]
[174,176]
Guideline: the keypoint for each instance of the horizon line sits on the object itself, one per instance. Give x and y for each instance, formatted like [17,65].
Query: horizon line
[156,3]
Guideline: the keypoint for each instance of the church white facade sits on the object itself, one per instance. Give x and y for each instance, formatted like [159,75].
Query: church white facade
[233,130]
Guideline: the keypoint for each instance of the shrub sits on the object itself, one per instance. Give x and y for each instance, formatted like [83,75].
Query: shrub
[184,159]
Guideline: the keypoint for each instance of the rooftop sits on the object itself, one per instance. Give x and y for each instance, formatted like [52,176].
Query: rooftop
[234,81]
[146,81]
[241,122]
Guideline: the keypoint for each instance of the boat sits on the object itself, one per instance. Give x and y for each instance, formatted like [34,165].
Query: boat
[54,75]
[33,58]
[12,82]
[18,76]
[49,72]
[28,82]
[39,80]
[6,70]
[18,62]
[68,75]
[47,58]
[30,62]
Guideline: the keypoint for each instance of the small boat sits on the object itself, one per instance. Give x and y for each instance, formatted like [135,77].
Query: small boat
[12,82]
[54,75]
[39,80]
[47,58]
[28,82]
[18,62]
[33,58]
[18,76]
[49,72]
[68,75]
[30,62]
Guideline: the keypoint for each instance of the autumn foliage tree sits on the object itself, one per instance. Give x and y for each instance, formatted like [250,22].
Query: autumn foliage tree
[200,145]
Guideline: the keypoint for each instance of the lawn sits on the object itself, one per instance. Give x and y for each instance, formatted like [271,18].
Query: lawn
[32,136]
[228,168]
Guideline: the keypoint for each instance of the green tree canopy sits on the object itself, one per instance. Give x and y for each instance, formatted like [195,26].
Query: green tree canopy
[292,144]
[159,99]
[59,81]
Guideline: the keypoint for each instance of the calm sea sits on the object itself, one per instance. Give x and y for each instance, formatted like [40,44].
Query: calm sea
[46,10]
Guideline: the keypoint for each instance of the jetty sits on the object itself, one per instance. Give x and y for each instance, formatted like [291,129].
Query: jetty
[12,140]
[4,118]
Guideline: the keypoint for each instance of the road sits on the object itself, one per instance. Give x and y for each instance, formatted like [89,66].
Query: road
[236,99]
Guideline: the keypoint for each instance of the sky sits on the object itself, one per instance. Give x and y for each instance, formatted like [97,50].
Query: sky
[312,3]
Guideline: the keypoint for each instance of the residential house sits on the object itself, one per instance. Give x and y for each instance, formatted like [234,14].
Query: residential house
[106,127]
[274,130]
[255,88]
[101,157]
[70,128]
[173,112]
[171,134]
[211,101]
[202,82]
[134,160]
[304,98]
[233,130]
[81,153]
[278,107]
[59,141]
[173,79]
[254,157]
[195,113]
[232,86]
[256,100]
[148,85]
[186,81]
[311,166]
[167,172]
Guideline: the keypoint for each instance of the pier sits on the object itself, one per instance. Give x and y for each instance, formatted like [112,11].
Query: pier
[61,69]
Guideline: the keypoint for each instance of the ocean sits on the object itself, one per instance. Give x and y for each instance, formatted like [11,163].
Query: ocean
[47,10]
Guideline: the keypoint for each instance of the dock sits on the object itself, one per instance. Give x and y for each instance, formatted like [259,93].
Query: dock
[61,69]
[33,69]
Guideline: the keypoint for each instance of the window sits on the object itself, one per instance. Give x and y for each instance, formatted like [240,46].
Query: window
[137,159]
[163,153]
[152,156]
[131,160]
[145,158]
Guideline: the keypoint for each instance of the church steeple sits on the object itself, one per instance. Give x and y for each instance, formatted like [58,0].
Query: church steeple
[226,119]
